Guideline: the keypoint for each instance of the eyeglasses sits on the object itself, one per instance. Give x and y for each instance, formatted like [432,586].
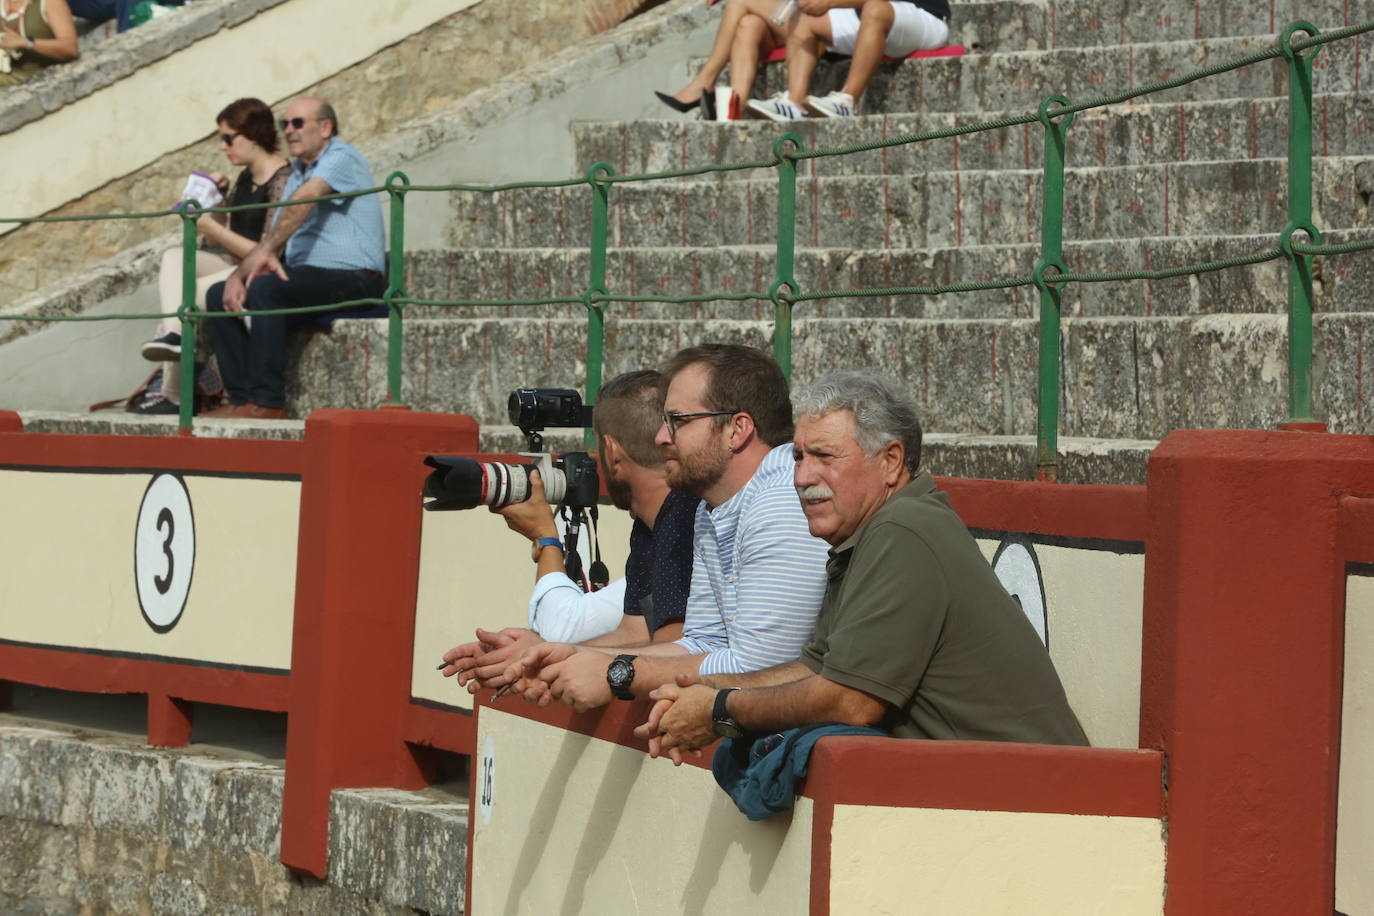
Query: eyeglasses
[673,420]
[227,139]
[295,123]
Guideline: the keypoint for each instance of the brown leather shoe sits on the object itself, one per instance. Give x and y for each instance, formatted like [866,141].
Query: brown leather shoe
[228,410]
[258,412]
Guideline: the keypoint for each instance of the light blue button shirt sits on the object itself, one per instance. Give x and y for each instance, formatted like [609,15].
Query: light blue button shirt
[338,234]
[758,576]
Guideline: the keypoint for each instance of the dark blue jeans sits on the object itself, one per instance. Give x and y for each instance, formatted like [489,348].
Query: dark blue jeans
[103,10]
[253,362]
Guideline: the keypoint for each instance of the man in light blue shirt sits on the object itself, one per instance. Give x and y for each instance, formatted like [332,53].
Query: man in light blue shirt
[758,575]
[330,252]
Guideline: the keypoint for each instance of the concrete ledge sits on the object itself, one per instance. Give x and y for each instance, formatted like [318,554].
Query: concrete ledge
[102,824]
[113,60]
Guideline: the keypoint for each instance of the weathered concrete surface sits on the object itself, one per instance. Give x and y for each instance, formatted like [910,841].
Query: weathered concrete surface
[473,48]
[936,209]
[1122,378]
[100,824]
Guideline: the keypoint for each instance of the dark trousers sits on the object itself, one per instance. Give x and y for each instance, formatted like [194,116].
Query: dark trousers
[103,10]
[253,362]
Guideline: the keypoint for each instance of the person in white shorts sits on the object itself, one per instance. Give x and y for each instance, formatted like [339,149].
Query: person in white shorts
[864,29]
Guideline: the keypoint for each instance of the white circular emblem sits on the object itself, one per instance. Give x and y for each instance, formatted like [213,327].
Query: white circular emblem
[487,778]
[1019,571]
[164,551]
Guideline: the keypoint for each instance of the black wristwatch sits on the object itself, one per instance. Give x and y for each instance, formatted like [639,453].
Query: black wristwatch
[620,675]
[721,722]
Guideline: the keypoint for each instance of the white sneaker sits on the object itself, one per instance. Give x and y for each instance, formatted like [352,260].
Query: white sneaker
[835,105]
[778,108]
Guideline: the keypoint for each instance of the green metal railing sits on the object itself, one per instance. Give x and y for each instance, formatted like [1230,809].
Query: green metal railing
[1297,244]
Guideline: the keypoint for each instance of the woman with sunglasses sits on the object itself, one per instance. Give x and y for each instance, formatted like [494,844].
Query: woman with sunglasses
[34,35]
[248,136]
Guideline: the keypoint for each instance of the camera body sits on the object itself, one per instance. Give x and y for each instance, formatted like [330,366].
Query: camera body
[569,480]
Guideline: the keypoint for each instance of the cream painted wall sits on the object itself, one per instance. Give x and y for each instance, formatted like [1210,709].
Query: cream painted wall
[1355,817]
[580,825]
[171,99]
[903,861]
[1095,610]
[475,572]
[67,567]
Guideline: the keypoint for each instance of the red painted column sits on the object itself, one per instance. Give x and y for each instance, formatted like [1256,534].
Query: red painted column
[356,582]
[169,721]
[1242,656]
[10,422]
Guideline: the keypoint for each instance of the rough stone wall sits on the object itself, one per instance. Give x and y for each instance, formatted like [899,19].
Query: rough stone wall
[458,55]
[102,825]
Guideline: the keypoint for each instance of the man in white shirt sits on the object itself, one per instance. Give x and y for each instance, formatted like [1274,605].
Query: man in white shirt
[758,575]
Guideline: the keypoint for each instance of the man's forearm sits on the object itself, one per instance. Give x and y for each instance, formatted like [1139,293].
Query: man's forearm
[652,672]
[291,218]
[768,677]
[811,699]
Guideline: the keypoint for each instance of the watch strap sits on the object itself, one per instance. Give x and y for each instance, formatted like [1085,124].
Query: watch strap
[538,544]
[721,722]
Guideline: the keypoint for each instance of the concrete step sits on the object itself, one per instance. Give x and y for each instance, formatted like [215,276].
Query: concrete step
[1135,378]
[1015,25]
[1122,135]
[1344,281]
[971,207]
[945,454]
[1020,80]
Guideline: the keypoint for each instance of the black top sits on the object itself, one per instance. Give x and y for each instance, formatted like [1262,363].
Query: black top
[251,223]
[937,8]
[658,572]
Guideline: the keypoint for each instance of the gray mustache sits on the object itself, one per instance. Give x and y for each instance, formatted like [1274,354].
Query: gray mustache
[816,491]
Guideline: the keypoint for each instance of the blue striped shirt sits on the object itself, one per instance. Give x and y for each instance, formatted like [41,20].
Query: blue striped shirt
[758,576]
[338,234]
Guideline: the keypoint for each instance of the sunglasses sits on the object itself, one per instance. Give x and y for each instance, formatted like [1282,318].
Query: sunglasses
[228,139]
[674,420]
[295,123]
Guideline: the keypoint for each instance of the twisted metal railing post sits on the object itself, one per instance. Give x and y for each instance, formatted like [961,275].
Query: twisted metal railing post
[1051,257]
[787,245]
[397,183]
[1300,294]
[189,212]
[596,285]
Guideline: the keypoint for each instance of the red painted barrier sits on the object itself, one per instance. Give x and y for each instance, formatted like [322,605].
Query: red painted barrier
[1242,661]
[10,422]
[356,584]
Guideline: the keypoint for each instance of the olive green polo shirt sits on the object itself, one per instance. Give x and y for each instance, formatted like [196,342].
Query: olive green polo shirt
[915,616]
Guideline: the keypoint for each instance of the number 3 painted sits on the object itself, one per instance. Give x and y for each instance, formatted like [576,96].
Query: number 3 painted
[164,551]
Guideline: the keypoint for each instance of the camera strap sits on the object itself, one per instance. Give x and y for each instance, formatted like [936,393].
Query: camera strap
[572,560]
[599,575]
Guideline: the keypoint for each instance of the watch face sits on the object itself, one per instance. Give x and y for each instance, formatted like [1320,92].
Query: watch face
[727,728]
[621,673]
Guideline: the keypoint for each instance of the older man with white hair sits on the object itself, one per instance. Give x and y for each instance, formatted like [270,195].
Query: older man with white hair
[916,634]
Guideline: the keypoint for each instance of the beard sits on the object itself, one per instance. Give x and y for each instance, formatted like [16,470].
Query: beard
[617,489]
[694,474]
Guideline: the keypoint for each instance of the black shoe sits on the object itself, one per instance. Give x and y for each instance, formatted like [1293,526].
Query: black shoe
[156,405]
[162,348]
[674,103]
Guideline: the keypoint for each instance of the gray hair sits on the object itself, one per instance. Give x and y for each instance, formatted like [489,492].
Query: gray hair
[882,412]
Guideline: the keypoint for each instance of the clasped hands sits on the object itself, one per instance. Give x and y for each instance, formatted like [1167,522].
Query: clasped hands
[517,659]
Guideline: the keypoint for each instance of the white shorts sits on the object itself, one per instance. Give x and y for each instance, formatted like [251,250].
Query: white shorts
[913,29]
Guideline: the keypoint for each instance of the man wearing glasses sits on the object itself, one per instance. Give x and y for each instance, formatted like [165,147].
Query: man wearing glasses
[758,576]
[314,254]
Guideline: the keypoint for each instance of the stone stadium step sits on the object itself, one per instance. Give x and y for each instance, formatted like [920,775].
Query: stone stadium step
[1119,461]
[968,207]
[1019,80]
[1128,378]
[1137,134]
[1342,282]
